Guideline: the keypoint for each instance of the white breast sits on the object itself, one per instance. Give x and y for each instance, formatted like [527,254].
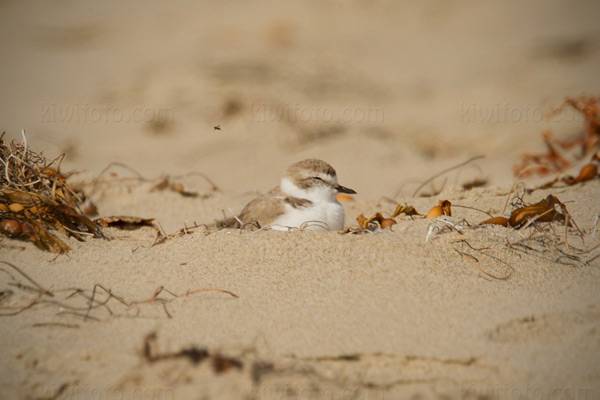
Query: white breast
[325,215]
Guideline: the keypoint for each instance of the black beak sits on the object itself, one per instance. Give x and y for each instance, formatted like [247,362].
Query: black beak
[342,189]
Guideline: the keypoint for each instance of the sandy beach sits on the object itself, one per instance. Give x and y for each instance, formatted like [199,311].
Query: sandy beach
[220,98]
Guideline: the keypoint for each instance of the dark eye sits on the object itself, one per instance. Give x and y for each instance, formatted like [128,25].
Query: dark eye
[318,179]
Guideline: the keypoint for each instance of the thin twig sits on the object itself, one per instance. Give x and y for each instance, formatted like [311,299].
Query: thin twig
[55,324]
[37,285]
[446,171]
[464,256]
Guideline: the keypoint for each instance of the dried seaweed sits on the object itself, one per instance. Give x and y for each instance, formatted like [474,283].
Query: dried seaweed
[587,173]
[367,223]
[407,210]
[125,222]
[195,355]
[560,155]
[370,224]
[443,208]
[166,184]
[549,209]
[36,200]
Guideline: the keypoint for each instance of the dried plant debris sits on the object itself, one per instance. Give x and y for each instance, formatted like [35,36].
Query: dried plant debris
[407,210]
[36,200]
[109,176]
[222,363]
[195,355]
[589,107]
[166,184]
[369,223]
[337,375]
[443,208]
[378,219]
[217,225]
[549,209]
[81,303]
[560,155]
[502,221]
[435,191]
[587,173]
[492,256]
[125,223]
[186,230]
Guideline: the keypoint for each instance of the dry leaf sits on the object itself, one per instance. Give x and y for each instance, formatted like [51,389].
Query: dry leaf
[444,208]
[362,221]
[587,173]
[547,210]
[408,210]
[503,221]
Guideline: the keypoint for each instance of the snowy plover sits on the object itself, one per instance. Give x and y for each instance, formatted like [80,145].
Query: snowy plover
[305,199]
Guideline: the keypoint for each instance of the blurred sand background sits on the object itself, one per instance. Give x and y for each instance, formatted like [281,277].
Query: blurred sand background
[387,92]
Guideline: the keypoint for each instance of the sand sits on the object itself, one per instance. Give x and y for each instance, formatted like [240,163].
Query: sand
[389,94]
